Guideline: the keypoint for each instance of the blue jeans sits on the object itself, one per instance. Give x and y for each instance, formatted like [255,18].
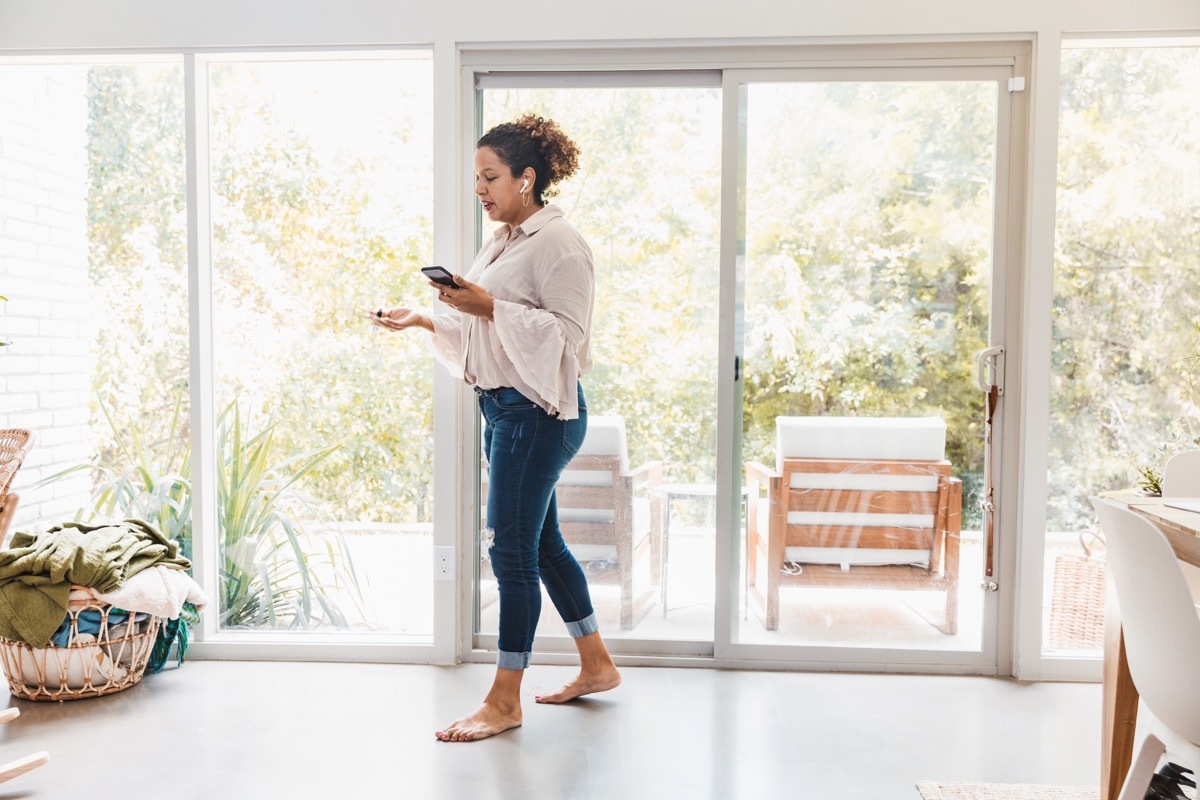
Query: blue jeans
[527,450]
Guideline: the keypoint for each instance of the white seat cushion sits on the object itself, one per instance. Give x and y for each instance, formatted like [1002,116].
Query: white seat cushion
[893,438]
[606,437]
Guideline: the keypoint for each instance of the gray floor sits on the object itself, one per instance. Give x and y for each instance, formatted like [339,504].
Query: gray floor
[287,730]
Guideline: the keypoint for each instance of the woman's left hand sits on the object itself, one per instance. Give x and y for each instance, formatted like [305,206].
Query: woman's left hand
[471,298]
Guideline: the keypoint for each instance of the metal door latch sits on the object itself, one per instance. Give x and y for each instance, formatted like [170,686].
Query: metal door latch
[990,586]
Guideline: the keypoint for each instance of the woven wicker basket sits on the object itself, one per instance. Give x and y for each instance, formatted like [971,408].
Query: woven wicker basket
[111,660]
[1077,601]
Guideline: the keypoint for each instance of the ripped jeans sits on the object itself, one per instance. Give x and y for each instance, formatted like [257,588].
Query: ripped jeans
[527,450]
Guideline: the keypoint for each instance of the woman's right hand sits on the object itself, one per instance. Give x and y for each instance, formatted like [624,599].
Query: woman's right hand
[398,319]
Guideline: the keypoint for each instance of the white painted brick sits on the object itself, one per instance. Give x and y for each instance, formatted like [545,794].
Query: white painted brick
[15,248]
[62,400]
[62,364]
[71,453]
[58,328]
[70,347]
[68,220]
[18,401]
[27,278]
[74,275]
[80,382]
[55,256]
[31,419]
[34,156]
[12,169]
[71,194]
[34,194]
[63,191]
[55,436]
[12,209]
[18,325]
[25,230]
[13,363]
[71,416]
[32,383]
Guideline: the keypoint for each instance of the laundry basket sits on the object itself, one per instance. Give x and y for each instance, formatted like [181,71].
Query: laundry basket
[1077,599]
[107,651]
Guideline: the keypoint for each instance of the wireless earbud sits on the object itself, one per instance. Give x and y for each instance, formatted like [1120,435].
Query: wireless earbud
[525,185]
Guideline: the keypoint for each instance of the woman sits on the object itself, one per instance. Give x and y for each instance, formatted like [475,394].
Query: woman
[520,338]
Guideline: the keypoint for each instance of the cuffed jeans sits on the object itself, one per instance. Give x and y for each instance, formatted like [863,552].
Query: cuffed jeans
[527,450]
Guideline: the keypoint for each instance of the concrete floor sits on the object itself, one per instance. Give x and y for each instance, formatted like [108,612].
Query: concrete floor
[233,730]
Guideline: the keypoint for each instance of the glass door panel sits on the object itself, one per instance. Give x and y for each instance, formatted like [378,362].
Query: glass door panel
[646,199]
[868,221]
[322,209]
[1125,367]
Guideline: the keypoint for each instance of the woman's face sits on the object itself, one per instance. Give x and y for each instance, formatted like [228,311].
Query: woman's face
[499,191]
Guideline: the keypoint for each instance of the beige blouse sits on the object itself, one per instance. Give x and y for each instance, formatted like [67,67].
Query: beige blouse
[543,283]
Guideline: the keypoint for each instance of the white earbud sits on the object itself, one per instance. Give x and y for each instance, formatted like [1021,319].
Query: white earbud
[525,185]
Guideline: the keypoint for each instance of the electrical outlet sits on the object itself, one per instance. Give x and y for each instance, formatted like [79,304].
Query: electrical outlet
[443,563]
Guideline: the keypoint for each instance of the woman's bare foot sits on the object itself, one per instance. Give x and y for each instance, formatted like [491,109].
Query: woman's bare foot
[588,682]
[485,721]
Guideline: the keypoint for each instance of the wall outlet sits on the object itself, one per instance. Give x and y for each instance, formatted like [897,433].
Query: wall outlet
[443,563]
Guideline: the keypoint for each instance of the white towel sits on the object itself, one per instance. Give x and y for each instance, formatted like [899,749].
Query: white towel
[160,591]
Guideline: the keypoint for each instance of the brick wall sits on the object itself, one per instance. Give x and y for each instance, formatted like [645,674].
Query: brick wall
[45,374]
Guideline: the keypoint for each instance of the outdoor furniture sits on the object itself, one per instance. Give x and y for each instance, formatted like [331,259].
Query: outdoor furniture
[596,512]
[14,446]
[1161,637]
[855,502]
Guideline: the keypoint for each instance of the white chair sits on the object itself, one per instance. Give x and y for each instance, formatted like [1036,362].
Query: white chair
[1162,642]
[859,502]
[1181,477]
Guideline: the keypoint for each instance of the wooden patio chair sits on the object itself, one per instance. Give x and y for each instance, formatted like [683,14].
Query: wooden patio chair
[855,502]
[597,513]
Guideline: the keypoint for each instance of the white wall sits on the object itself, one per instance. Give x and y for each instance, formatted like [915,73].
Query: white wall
[153,23]
[45,373]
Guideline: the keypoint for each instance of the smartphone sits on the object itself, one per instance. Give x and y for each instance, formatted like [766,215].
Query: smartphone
[440,275]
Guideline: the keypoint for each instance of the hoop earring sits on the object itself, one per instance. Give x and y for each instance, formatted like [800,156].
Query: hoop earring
[524,201]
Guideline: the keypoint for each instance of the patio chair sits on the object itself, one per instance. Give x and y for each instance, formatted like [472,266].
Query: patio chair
[596,512]
[855,502]
[613,537]
[14,446]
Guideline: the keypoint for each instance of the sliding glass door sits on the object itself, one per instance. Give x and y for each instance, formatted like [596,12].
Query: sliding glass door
[871,210]
[637,504]
[843,236]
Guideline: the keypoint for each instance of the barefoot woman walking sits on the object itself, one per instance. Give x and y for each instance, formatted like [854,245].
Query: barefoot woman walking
[520,338]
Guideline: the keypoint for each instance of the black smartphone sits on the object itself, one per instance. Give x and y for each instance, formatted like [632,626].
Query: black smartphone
[440,275]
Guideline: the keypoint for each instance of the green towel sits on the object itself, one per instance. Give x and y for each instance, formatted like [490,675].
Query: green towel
[37,570]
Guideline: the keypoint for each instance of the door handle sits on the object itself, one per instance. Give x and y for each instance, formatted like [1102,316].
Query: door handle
[990,369]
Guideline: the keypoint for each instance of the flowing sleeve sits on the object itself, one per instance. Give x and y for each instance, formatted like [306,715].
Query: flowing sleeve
[543,343]
[447,341]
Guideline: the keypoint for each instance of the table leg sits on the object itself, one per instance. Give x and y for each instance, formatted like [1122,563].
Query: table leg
[1120,704]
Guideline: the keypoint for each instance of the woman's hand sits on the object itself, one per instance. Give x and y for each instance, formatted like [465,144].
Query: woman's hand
[399,319]
[471,298]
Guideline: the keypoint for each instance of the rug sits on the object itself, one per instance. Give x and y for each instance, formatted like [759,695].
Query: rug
[935,790]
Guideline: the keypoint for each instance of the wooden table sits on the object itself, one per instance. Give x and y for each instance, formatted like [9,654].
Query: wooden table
[1182,529]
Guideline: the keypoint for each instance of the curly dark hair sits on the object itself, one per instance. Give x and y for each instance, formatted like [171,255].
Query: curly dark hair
[534,141]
